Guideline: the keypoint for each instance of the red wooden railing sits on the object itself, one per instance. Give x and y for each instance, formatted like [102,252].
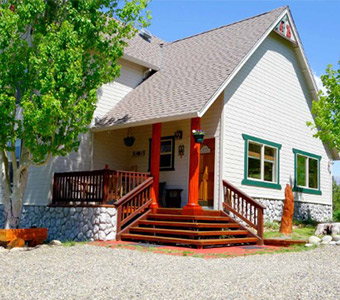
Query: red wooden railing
[102,186]
[244,207]
[133,204]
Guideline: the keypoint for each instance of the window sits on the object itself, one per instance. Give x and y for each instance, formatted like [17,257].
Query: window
[307,172]
[261,163]
[167,153]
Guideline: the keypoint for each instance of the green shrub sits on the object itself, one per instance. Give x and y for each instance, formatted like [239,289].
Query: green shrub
[336,215]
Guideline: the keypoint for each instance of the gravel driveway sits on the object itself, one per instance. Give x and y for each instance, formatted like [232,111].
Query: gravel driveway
[90,272]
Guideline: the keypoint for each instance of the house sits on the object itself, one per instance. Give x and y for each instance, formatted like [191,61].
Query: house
[248,86]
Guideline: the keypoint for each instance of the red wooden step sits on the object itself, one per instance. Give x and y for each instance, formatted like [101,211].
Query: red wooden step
[187,217]
[188,232]
[188,224]
[200,243]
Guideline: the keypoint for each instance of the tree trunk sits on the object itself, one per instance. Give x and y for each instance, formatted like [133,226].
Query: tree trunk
[13,205]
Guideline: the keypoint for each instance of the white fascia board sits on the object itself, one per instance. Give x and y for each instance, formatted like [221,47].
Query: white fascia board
[240,65]
[140,62]
[146,122]
[301,53]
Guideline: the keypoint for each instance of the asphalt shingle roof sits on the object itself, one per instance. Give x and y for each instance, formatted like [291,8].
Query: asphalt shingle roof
[192,70]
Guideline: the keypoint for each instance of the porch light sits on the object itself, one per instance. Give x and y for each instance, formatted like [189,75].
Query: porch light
[178,134]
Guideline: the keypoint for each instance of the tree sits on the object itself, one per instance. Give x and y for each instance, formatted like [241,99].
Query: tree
[54,55]
[336,200]
[327,109]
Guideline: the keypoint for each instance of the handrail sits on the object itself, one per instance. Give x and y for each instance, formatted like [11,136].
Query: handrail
[244,207]
[133,203]
[94,186]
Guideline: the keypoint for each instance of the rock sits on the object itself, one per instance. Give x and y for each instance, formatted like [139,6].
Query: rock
[336,238]
[2,249]
[338,243]
[332,243]
[17,249]
[326,238]
[111,236]
[335,229]
[89,234]
[327,228]
[309,245]
[111,211]
[102,226]
[80,236]
[324,243]
[102,236]
[314,240]
[288,212]
[56,243]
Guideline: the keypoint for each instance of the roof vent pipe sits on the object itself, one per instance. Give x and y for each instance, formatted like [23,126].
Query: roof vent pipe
[160,55]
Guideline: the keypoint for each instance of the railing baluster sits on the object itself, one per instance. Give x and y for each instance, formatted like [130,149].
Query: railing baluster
[244,207]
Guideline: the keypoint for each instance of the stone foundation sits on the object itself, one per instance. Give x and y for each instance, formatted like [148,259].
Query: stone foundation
[70,223]
[302,210]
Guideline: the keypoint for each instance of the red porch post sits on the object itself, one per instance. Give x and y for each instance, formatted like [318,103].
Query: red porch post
[155,163]
[193,208]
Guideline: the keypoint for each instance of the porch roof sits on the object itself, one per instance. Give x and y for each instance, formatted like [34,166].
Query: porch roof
[192,71]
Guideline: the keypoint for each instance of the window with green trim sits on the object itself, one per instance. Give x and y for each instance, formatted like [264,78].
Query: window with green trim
[307,172]
[261,162]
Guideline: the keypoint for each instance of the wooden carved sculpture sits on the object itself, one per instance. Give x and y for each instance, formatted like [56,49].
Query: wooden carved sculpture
[288,212]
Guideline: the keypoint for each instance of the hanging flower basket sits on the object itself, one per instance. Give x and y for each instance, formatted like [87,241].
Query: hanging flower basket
[198,136]
[129,140]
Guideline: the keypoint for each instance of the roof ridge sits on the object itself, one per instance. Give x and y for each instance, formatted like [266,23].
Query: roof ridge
[223,26]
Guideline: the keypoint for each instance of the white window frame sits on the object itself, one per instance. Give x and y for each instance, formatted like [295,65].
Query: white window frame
[307,172]
[263,160]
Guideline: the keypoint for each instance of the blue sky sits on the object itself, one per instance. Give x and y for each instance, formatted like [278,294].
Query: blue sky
[318,24]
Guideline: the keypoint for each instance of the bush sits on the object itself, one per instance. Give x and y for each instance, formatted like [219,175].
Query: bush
[336,215]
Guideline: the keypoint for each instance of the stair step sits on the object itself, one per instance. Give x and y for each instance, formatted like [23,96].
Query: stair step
[178,211]
[170,240]
[187,217]
[187,224]
[188,232]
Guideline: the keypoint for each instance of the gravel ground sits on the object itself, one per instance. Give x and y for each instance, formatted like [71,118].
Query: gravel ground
[90,272]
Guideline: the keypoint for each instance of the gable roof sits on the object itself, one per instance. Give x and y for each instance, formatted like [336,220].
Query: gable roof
[192,73]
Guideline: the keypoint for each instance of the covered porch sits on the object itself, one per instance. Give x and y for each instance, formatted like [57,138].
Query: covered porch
[166,152]
[156,156]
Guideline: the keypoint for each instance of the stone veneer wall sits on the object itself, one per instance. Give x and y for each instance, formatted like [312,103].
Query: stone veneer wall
[302,210]
[70,223]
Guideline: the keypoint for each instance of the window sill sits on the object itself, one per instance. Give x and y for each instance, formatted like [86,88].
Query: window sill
[268,185]
[306,190]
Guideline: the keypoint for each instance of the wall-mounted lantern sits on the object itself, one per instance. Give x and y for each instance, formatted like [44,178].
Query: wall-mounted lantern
[181,151]
[178,134]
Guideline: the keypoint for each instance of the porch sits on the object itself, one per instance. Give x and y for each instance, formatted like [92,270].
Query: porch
[241,221]
[141,216]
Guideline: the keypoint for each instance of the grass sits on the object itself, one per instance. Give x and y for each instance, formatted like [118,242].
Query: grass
[187,253]
[73,243]
[301,231]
